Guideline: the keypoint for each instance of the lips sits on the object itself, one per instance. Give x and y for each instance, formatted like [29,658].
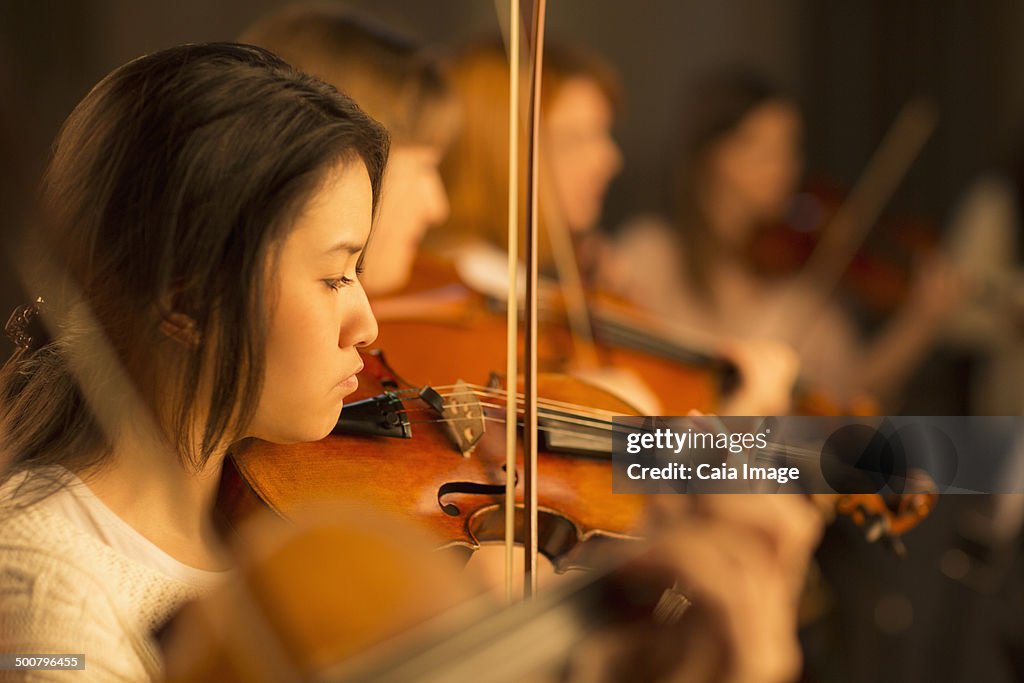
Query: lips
[351,383]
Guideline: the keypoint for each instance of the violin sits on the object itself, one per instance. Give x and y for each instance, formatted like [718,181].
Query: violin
[878,277]
[468,322]
[679,365]
[424,459]
[432,455]
[345,593]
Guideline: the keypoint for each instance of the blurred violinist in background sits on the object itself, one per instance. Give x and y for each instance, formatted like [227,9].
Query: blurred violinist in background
[400,85]
[737,172]
[580,157]
[986,241]
[578,160]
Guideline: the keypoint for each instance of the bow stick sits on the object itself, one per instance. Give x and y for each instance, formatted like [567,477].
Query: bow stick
[512,320]
[530,537]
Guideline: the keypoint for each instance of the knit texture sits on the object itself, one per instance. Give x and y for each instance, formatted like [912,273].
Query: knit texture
[63,591]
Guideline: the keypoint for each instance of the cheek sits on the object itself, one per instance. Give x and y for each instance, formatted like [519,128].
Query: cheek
[296,403]
[569,176]
[599,156]
[305,322]
[775,182]
[399,212]
[738,175]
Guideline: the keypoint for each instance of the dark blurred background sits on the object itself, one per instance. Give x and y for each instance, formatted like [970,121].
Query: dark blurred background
[851,63]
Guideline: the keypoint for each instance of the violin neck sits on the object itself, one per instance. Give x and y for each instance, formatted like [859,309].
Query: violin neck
[669,344]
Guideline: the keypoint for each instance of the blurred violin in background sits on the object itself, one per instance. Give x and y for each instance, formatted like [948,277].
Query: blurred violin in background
[878,279]
[444,327]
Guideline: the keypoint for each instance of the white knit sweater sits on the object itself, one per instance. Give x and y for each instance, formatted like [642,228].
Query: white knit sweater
[64,591]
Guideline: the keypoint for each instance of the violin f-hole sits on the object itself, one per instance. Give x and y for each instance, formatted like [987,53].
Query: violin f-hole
[468,487]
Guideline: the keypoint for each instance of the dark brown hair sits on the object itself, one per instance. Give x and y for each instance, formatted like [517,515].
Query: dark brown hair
[168,187]
[717,105]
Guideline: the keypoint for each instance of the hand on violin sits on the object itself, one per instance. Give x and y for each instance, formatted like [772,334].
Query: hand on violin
[768,371]
[741,561]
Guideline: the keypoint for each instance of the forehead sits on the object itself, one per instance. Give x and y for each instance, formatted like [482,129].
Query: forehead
[339,209]
[772,116]
[414,151]
[436,124]
[579,100]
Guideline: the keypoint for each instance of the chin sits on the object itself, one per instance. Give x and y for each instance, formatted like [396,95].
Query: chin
[305,433]
[326,429]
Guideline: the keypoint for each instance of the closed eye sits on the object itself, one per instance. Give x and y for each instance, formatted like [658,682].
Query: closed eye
[336,283]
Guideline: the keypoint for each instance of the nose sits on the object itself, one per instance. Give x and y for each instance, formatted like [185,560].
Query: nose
[361,328]
[614,156]
[439,207]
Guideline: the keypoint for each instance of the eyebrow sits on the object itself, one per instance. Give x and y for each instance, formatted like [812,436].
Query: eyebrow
[350,247]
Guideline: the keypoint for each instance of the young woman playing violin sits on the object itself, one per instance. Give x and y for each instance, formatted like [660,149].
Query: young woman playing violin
[736,172]
[579,159]
[204,214]
[201,246]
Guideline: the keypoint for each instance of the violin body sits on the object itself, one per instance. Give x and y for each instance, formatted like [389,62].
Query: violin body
[438,461]
[454,492]
[467,335]
[333,584]
[878,277]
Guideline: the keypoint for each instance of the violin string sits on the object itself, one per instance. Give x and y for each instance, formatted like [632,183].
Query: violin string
[466,389]
[772,449]
[555,408]
[547,429]
[578,409]
[759,455]
[555,416]
[596,421]
[480,390]
[582,416]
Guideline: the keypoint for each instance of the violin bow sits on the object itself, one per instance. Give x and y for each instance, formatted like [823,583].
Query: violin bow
[570,282]
[530,531]
[852,223]
[512,311]
[535,21]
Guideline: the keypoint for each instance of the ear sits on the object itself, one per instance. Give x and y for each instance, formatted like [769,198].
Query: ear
[182,329]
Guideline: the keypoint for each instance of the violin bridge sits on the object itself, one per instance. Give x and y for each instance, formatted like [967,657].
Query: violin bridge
[464,418]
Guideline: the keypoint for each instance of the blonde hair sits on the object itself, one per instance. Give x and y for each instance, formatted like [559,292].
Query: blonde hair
[391,77]
[476,169]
